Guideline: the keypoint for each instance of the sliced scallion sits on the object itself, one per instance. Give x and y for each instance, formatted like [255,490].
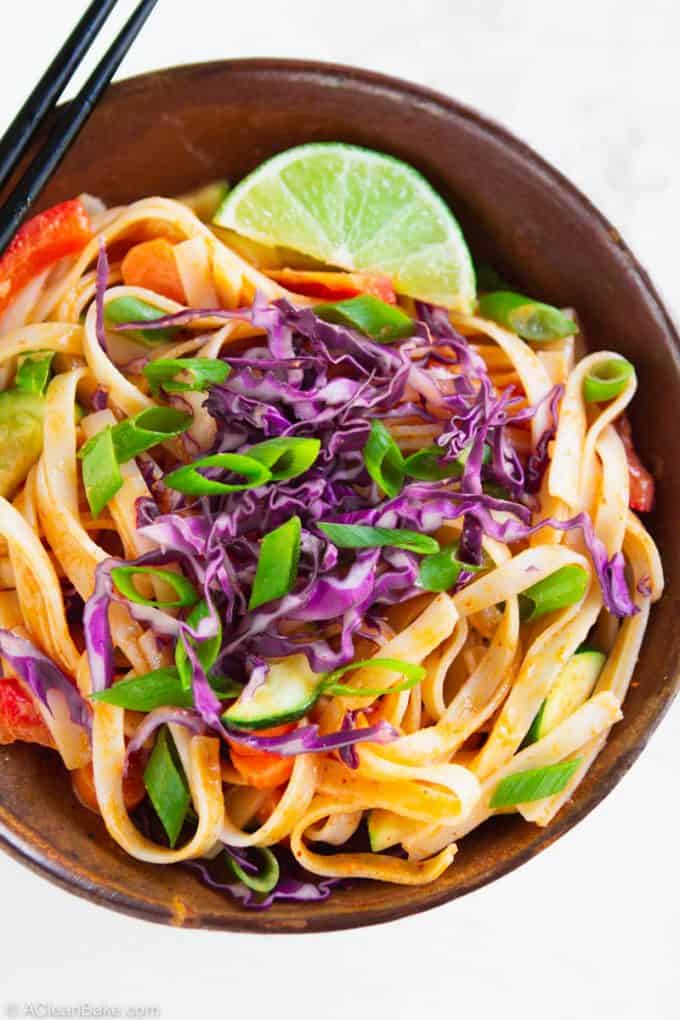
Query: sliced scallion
[413,675]
[203,372]
[147,429]
[362,536]
[206,650]
[440,571]
[286,457]
[606,380]
[33,371]
[277,564]
[123,578]
[558,590]
[370,316]
[188,479]
[132,309]
[262,881]
[102,478]
[383,459]
[531,320]
[167,785]
[533,784]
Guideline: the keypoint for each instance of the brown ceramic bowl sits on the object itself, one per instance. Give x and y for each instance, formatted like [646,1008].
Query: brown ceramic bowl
[169,131]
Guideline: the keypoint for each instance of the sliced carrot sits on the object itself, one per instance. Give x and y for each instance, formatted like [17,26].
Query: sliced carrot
[263,770]
[133,786]
[19,717]
[334,286]
[152,265]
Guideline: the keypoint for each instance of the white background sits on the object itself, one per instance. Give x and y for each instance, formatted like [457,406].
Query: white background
[591,928]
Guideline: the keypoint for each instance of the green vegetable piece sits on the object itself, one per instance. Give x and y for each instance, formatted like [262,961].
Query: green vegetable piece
[204,373]
[573,686]
[361,536]
[385,829]
[206,650]
[383,459]
[529,319]
[131,309]
[188,479]
[277,564]
[21,437]
[122,577]
[426,465]
[33,372]
[101,471]
[441,570]
[533,784]
[289,691]
[160,688]
[167,785]
[557,591]
[413,675]
[286,457]
[262,881]
[369,315]
[147,429]
[606,380]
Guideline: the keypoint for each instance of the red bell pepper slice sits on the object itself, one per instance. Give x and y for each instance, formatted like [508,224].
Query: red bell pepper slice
[641,496]
[62,230]
[19,717]
[335,286]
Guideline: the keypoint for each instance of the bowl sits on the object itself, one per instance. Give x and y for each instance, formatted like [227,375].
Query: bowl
[177,128]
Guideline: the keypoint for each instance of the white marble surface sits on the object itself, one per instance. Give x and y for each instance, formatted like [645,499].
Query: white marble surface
[591,928]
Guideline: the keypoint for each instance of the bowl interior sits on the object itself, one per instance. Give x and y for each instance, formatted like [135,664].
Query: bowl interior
[176,129]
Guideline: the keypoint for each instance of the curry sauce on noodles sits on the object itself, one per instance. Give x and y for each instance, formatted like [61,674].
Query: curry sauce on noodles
[484,682]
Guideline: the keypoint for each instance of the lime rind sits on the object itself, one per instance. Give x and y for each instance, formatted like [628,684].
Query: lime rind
[356,209]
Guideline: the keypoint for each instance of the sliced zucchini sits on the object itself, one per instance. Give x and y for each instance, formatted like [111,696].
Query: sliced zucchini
[385,829]
[573,686]
[291,688]
[21,437]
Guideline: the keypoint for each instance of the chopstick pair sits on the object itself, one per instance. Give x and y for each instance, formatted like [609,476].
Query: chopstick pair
[43,99]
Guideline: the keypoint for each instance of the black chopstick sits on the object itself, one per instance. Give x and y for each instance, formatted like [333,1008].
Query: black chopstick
[17,138]
[67,126]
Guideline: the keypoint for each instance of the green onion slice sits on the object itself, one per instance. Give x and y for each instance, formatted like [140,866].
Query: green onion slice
[101,471]
[370,316]
[557,591]
[413,675]
[160,688]
[277,564]
[426,465]
[529,319]
[206,650]
[533,784]
[122,577]
[204,373]
[33,372]
[362,536]
[167,785]
[441,570]
[188,479]
[383,459]
[147,429]
[144,693]
[262,881]
[132,309]
[286,457]
[606,380]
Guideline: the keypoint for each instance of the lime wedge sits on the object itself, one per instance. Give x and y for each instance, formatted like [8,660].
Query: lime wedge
[357,209]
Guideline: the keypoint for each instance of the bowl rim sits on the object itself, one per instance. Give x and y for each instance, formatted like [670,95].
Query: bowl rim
[27,847]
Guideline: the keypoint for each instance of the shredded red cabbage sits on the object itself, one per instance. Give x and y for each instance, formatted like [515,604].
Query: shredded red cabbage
[308,377]
[42,676]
